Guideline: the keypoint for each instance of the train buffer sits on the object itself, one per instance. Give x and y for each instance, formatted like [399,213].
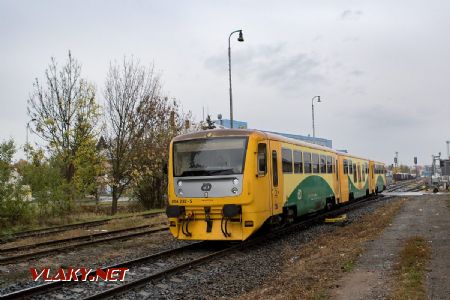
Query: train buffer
[341,219]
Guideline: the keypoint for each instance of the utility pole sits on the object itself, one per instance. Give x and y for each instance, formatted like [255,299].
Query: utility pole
[240,39]
[312,110]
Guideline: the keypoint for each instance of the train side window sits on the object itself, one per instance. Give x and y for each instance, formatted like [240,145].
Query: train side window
[262,159]
[323,164]
[337,169]
[307,162]
[315,163]
[345,166]
[274,168]
[363,172]
[355,176]
[359,173]
[298,162]
[350,167]
[286,158]
[329,165]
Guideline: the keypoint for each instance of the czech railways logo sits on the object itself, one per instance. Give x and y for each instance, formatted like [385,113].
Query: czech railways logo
[206,187]
[299,194]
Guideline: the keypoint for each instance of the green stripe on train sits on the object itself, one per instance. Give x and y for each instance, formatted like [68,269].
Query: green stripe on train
[380,182]
[310,195]
[357,193]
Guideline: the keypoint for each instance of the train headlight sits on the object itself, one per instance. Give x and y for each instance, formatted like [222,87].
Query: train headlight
[235,181]
[180,183]
[234,190]
[180,192]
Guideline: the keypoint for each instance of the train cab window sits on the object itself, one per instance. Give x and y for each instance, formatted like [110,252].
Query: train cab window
[329,165]
[274,168]
[286,157]
[323,164]
[345,166]
[262,159]
[315,163]
[298,162]
[355,176]
[307,162]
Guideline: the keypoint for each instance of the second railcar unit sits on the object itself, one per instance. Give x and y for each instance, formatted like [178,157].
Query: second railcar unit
[225,184]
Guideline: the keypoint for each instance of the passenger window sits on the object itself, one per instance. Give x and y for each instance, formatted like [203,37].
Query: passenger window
[329,165]
[355,176]
[323,164]
[345,166]
[359,172]
[307,161]
[262,159]
[286,157]
[315,163]
[274,168]
[298,162]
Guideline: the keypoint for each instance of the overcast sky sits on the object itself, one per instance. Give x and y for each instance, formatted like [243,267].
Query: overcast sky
[382,68]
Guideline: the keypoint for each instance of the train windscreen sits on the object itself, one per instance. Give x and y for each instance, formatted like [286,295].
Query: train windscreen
[209,157]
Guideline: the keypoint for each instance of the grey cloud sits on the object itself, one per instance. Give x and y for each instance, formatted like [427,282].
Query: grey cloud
[272,65]
[385,118]
[351,15]
[357,73]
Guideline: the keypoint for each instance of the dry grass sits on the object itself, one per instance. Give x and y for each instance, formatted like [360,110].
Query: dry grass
[114,224]
[311,270]
[410,271]
[73,218]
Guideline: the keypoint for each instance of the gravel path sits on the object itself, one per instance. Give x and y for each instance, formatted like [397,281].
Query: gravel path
[426,216]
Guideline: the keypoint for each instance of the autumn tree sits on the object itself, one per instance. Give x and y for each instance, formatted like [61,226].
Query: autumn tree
[166,120]
[131,91]
[65,112]
[13,207]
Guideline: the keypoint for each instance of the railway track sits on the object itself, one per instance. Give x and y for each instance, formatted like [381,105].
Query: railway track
[9,255]
[400,185]
[153,268]
[58,229]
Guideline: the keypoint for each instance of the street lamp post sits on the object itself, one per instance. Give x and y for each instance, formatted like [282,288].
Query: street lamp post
[240,39]
[312,105]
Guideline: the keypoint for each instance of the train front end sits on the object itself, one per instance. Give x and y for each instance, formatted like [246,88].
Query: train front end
[209,188]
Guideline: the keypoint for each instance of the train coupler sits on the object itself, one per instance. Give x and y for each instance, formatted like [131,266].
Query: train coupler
[208,220]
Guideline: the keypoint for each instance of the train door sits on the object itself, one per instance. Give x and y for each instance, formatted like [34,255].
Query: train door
[277,178]
[371,177]
[336,179]
[262,186]
[343,179]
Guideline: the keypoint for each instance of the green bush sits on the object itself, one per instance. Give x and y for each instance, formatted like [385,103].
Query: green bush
[14,207]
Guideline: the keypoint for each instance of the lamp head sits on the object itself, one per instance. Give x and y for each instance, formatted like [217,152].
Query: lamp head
[241,37]
[318,99]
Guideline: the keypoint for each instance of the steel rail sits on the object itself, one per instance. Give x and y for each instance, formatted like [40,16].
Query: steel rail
[274,234]
[62,228]
[37,254]
[42,288]
[142,281]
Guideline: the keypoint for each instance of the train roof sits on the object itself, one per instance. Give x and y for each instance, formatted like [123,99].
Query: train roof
[267,135]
